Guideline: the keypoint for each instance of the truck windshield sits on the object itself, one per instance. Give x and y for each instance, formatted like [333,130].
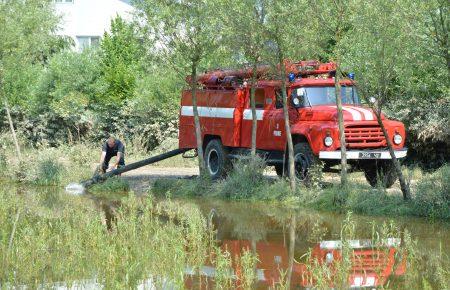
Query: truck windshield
[327,96]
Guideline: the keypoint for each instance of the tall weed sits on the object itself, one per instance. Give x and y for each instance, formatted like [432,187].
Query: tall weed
[245,180]
[432,197]
[49,172]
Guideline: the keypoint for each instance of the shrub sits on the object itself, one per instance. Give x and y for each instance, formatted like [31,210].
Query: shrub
[3,161]
[111,185]
[275,191]
[49,172]
[200,186]
[432,196]
[245,180]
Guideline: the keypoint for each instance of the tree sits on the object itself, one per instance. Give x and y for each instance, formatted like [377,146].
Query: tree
[185,33]
[331,23]
[373,49]
[121,53]
[286,39]
[423,91]
[245,22]
[26,37]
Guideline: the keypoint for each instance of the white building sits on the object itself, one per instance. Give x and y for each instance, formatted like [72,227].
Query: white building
[85,21]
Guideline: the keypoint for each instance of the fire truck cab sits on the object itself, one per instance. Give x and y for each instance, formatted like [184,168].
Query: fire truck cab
[223,104]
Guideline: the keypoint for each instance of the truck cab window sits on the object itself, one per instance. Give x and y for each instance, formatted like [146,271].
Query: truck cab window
[279,99]
[259,98]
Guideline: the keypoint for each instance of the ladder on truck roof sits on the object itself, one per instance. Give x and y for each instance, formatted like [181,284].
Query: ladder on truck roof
[226,77]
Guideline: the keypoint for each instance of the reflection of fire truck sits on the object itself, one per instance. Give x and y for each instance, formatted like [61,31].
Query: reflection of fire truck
[371,265]
[226,122]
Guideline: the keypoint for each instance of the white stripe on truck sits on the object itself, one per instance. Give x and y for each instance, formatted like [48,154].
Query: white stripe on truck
[367,113]
[248,114]
[212,112]
[356,115]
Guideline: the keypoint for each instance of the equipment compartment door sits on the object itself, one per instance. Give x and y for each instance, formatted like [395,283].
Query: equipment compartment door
[272,133]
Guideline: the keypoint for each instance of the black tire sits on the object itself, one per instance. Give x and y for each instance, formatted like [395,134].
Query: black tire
[380,172]
[304,158]
[216,159]
[279,170]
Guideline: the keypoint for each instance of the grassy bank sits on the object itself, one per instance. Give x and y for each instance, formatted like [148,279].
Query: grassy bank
[431,192]
[74,162]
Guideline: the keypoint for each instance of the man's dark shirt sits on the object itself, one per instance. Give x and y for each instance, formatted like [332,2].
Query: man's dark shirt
[112,151]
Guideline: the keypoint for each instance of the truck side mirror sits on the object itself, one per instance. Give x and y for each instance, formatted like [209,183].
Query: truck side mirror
[298,98]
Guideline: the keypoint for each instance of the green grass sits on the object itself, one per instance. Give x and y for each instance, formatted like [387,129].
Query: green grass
[431,198]
[116,186]
[246,182]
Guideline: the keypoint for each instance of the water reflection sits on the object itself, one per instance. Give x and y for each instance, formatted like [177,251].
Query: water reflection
[306,249]
[295,248]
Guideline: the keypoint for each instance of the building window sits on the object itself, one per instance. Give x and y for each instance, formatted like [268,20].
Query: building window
[88,41]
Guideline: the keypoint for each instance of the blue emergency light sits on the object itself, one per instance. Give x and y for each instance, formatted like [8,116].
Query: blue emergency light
[291,77]
[351,76]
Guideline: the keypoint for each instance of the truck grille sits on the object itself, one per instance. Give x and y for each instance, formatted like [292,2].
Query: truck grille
[364,136]
[370,261]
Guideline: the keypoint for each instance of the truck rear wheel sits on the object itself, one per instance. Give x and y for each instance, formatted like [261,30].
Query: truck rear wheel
[216,159]
[380,172]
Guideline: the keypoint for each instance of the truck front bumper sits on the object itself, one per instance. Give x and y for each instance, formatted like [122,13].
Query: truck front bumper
[363,154]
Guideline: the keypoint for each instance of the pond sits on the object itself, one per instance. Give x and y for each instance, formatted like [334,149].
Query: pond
[292,246]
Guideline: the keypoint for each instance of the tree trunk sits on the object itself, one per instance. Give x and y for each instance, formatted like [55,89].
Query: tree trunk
[290,147]
[253,107]
[337,86]
[13,131]
[292,227]
[198,130]
[403,184]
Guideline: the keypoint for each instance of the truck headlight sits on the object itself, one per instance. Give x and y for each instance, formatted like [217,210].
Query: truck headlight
[328,141]
[398,139]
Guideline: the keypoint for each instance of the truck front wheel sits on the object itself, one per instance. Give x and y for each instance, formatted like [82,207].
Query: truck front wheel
[380,172]
[216,159]
[304,158]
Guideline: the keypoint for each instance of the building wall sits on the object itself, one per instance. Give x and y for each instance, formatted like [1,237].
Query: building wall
[85,21]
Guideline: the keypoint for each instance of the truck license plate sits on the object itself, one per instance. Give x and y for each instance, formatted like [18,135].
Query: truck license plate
[369,155]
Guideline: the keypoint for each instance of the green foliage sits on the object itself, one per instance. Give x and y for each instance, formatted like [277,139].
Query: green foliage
[245,180]
[26,39]
[432,196]
[182,187]
[120,61]
[49,172]
[112,185]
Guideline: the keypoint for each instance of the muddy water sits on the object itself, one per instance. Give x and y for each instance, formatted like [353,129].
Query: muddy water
[279,235]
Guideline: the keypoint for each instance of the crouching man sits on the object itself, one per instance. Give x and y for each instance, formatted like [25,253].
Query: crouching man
[112,147]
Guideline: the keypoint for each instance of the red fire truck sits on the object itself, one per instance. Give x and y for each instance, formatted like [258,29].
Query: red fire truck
[223,102]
